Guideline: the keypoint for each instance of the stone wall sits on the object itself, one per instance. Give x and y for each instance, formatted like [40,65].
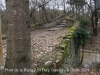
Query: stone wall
[70,60]
[51,23]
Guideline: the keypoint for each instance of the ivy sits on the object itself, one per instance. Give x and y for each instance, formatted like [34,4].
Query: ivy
[81,35]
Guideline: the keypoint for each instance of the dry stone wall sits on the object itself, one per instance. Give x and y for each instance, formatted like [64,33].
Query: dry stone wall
[49,24]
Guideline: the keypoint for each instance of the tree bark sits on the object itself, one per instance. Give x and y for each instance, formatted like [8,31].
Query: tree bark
[18,38]
[1,50]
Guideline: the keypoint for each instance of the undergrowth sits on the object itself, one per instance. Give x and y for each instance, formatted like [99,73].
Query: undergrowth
[81,35]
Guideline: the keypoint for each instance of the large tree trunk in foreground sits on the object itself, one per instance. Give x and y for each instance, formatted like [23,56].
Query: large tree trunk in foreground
[18,38]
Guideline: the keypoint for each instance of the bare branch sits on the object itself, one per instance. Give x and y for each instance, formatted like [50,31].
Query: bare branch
[32,11]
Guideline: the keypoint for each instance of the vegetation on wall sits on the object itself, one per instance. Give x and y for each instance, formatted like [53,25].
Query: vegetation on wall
[81,35]
[65,42]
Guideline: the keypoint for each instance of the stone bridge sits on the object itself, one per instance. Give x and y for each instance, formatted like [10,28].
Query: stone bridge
[52,46]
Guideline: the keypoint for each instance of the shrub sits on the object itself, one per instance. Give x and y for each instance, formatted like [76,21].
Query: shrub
[82,34]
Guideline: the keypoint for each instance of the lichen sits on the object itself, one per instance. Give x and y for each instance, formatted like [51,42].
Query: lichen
[32,25]
[72,28]
[4,37]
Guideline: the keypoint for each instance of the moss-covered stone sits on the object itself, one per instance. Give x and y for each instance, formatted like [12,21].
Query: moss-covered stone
[32,25]
[4,37]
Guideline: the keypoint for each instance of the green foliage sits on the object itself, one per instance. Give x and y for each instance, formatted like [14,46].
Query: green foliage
[83,22]
[77,2]
[82,34]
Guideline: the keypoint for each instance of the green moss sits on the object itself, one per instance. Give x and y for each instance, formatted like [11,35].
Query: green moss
[4,37]
[69,34]
[72,28]
[60,57]
[69,37]
[66,39]
[63,44]
[32,25]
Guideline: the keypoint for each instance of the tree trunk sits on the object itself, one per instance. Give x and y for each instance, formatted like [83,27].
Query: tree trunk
[83,11]
[1,51]
[73,9]
[18,38]
[92,22]
[77,57]
[96,22]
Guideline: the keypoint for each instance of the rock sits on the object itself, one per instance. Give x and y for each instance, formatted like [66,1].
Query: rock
[59,57]
[57,61]
[60,54]
[48,63]
[96,65]
[87,65]
[2,67]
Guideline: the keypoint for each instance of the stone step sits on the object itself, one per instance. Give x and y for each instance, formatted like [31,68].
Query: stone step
[53,29]
[61,25]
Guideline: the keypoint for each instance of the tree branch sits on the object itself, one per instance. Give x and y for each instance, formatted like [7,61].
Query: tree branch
[38,7]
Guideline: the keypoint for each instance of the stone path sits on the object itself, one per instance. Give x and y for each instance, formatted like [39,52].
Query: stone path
[43,41]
